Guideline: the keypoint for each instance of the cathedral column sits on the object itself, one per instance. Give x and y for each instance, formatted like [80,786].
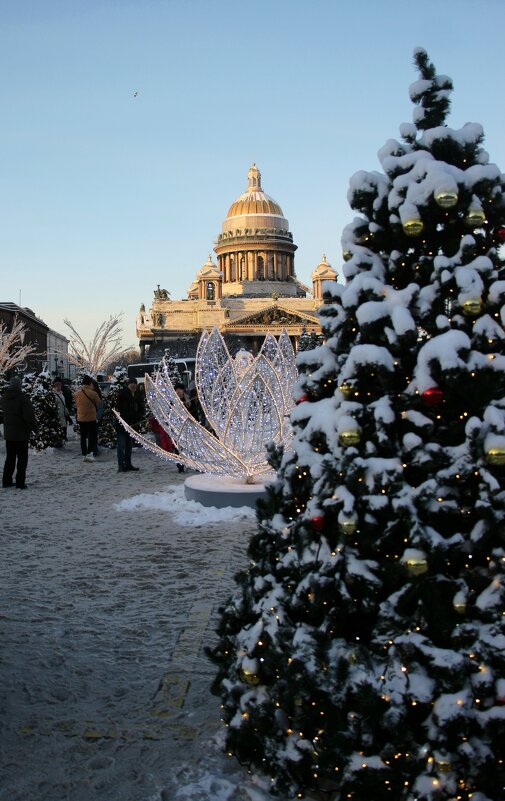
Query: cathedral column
[276,277]
[255,265]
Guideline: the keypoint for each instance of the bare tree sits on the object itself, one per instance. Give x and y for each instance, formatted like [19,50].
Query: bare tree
[105,346]
[129,356]
[13,352]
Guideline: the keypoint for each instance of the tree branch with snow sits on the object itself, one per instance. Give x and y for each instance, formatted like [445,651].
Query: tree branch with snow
[13,352]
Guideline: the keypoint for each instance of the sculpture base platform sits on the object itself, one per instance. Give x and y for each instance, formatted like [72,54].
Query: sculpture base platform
[221,491]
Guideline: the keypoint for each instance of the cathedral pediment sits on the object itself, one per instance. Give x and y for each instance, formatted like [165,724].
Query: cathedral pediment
[274,315]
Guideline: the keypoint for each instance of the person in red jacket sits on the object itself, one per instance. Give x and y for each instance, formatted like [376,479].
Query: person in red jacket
[160,435]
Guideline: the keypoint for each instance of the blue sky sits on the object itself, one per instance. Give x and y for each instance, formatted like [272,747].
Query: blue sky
[104,195]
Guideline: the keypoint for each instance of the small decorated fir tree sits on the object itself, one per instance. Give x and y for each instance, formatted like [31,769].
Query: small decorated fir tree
[48,433]
[173,371]
[107,436]
[364,653]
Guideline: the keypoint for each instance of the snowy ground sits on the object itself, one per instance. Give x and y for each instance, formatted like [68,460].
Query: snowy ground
[110,584]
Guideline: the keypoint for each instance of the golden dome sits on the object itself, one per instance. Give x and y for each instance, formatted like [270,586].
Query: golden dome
[254,200]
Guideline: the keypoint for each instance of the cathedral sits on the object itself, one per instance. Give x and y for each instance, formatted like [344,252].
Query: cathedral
[252,290]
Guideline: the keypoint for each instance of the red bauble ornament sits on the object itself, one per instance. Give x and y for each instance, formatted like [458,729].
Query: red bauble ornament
[302,399]
[317,523]
[499,234]
[432,396]
[500,702]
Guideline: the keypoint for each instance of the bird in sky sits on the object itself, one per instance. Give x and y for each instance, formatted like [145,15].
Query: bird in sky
[135,94]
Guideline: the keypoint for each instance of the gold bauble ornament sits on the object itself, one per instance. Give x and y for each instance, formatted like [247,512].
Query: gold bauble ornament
[472,306]
[347,255]
[495,456]
[446,198]
[346,389]
[352,658]
[416,563]
[475,217]
[444,765]
[459,606]
[348,526]
[249,677]
[349,438]
[413,227]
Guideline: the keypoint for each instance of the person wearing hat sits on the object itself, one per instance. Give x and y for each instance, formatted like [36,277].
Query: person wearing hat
[19,422]
[61,406]
[86,404]
[128,407]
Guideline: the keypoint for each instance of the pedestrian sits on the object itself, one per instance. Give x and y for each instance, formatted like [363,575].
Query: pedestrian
[127,407]
[69,396]
[86,403]
[140,397]
[161,437]
[64,417]
[19,421]
[99,411]
[141,400]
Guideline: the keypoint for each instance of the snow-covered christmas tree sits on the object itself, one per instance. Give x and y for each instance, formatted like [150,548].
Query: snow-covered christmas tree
[172,370]
[48,433]
[363,655]
[107,436]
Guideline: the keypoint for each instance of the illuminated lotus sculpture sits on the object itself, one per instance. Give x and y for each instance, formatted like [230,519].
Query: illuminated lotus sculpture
[246,401]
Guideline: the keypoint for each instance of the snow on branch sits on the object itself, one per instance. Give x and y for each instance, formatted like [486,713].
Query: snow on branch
[12,351]
[105,346]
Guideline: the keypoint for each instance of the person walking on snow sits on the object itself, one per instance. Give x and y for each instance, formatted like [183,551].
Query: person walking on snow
[19,421]
[127,406]
[61,404]
[86,403]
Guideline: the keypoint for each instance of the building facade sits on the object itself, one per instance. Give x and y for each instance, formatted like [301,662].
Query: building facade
[57,356]
[35,334]
[249,291]
[50,349]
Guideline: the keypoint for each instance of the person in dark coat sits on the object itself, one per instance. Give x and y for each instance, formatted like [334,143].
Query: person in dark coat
[19,421]
[127,406]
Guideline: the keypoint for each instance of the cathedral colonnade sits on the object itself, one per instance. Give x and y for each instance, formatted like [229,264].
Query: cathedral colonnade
[256,265]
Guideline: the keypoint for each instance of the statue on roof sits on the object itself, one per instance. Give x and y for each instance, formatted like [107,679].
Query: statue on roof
[161,294]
